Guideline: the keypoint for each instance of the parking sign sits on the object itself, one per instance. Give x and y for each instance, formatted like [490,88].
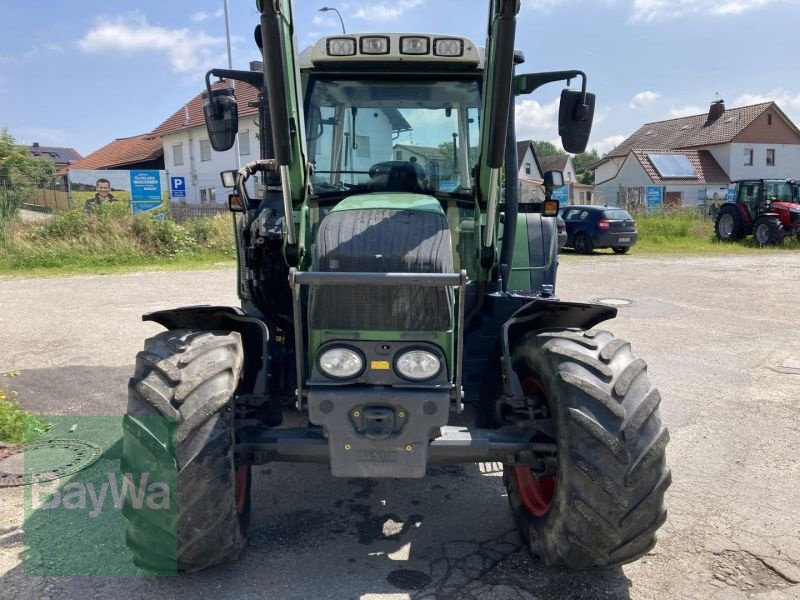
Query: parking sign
[177,187]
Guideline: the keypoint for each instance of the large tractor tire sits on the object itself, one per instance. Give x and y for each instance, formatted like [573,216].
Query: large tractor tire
[179,425]
[768,231]
[729,225]
[603,502]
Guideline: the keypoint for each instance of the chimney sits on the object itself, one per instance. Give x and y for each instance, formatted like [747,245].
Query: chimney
[256,65]
[715,112]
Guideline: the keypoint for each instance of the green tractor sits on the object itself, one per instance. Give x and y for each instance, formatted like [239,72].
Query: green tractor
[398,298]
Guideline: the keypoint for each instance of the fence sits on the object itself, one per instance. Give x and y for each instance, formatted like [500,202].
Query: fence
[33,195]
[181,211]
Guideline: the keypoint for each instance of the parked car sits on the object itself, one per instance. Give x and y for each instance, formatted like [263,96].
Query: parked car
[562,231]
[593,227]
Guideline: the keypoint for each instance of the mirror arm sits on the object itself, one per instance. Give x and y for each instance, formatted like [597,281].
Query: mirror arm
[534,81]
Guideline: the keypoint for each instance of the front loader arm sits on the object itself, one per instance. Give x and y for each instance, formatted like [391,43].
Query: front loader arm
[497,95]
[284,91]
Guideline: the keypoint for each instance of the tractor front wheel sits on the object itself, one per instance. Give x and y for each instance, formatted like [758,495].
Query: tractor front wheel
[180,427]
[602,500]
[768,231]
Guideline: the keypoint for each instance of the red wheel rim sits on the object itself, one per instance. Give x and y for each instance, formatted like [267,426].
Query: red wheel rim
[537,494]
[242,475]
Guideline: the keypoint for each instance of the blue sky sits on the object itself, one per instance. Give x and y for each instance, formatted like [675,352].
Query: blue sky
[84,72]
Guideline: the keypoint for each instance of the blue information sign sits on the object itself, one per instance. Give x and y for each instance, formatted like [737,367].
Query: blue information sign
[655,197]
[731,197]
[145,191]
[561,194]
[177,187]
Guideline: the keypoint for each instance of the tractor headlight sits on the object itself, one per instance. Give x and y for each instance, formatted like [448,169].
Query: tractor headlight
[418,365]
[341,47]
[341,363]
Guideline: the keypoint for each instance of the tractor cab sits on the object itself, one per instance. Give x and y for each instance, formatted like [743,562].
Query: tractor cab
[399,303]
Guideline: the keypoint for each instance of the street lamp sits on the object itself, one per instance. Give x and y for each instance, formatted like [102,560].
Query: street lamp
[327,9]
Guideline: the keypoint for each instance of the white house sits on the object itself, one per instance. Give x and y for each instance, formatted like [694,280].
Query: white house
[188,152]
[692,159]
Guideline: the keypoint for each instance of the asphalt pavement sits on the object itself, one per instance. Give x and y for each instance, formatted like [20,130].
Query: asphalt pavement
[720,339]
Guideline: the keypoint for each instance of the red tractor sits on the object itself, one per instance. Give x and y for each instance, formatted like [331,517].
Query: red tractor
[769,209]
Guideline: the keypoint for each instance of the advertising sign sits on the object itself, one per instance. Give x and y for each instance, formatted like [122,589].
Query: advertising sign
[561,194]
[145,191]
[141,190]
[655,197]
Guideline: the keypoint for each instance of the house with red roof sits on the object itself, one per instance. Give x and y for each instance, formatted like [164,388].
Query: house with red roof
[690,161]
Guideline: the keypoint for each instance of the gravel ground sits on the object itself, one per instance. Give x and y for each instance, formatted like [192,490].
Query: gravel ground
[715,332]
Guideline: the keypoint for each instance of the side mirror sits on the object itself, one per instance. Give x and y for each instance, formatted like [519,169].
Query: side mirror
[222,118]
[575,116]
[553,179]
[228,179]
[235,203]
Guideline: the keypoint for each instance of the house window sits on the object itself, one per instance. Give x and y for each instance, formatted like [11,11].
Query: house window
[208,195]
[748,157]
[205,150]
[362,143]
[527,168]
[244,142]
[177,154]
[398,155]
[769,119]
[770,157]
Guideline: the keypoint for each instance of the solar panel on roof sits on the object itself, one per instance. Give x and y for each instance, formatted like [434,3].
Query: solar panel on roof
[672,165]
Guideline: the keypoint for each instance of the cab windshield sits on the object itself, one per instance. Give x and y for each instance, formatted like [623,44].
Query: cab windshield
[378,135]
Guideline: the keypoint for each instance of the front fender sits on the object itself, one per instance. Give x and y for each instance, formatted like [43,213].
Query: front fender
[545,314]
[254,333]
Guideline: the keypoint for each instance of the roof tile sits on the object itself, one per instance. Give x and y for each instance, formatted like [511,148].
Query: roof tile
[123,151]
[693,131]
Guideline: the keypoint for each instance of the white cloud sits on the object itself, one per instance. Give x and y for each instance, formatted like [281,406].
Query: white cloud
[786,100]
[384,11]
[607,143]
[188,51]
[203,15]
[656,10]
[543,5]
[685,111]
[644,98]
[537,121]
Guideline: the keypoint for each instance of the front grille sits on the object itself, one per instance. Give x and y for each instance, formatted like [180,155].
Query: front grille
[382,241]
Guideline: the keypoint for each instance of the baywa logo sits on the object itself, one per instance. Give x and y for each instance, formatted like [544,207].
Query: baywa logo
[94,496]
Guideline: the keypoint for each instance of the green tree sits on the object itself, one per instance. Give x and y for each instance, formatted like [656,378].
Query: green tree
[582,162]
[19,175]
[547,149]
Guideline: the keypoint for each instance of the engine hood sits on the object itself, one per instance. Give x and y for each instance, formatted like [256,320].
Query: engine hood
[391,201]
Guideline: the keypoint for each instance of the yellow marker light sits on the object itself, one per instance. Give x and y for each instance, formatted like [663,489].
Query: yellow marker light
[448,47]
[550,208]
[341,47]
[375,45]
[379,365]
[414,45]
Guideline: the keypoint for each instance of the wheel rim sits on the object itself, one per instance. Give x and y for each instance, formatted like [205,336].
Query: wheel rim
[762,233]
[726,225]
[537,494]
[242,475]
[580,244]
